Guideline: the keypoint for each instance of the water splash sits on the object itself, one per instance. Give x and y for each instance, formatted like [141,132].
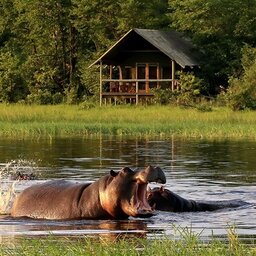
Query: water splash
[9,186]
[7,196]
[10,169]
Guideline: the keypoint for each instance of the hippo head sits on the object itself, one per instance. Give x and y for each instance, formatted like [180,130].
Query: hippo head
[155,195]
[162,199]
[125,192]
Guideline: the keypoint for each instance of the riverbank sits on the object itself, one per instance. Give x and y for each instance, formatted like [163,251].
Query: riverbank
[73,120]
[190,245]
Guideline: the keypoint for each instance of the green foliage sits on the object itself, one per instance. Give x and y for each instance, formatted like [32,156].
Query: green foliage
[104,21]
[188,92]
[89,78]
[44,97]
[85,105]
[204,106]
[46,46]
[57,98]
[11,81]
[190,88]
[148,13]
[71,96]
[43,40]
[242,91]
[164,96]
[219,28]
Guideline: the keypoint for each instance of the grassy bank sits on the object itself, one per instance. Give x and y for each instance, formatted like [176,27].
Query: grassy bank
[189,246]
[65,120]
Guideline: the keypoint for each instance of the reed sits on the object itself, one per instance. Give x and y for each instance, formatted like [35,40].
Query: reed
[188,245]
[66,120]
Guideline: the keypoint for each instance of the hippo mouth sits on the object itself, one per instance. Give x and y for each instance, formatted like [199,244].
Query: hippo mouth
[139,201]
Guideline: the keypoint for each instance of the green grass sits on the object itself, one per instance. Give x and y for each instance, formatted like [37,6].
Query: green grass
[65,120]
[187,246]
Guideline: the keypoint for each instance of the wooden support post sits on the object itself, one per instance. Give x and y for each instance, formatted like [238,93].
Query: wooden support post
[137,92]
[120,77]
[158,75]
[110,72]
[100,83]
[120,72]
[136,86]
[147,77]
[173,75]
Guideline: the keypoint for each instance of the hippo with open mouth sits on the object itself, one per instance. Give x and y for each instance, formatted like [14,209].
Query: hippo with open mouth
[116,195]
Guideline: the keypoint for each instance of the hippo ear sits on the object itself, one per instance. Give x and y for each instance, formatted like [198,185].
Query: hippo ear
[113,173]
[127,170]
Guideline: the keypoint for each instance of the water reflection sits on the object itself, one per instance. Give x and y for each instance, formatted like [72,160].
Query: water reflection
[108,230]
[226,161]
[195,169]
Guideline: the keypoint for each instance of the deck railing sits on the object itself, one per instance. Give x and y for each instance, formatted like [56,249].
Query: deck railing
[131,88]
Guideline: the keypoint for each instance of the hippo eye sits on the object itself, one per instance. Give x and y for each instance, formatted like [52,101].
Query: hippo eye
[150,195]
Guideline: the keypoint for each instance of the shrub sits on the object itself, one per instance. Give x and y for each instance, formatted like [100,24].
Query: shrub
[12,87]
[190,89]
[41,97]
[241,93]
[187,93]
[57,98]
[163,96]
[71,96]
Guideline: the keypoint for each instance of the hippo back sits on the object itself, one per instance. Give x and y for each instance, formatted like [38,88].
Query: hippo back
[51,200]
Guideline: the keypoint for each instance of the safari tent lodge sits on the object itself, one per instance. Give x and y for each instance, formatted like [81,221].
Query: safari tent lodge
[141,60]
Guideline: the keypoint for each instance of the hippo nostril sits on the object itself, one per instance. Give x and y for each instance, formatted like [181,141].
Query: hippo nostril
[150,174]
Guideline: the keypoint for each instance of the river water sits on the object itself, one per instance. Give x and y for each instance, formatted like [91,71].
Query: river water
[195,169]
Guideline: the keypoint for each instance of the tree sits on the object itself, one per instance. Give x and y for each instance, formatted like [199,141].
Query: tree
[143,14]
[242,91]
[101,23]
[12,87]
[220,28]
[46,36]
[11,81]
[40,36]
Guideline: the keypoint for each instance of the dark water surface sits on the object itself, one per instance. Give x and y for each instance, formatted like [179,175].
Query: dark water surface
[195,169]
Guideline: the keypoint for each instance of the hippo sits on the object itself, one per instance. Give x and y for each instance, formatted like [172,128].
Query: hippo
[163,199]
[117,195]
[24,176]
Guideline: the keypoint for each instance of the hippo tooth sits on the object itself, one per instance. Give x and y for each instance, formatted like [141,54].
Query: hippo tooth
[148,209]
[143,211]
[133,201]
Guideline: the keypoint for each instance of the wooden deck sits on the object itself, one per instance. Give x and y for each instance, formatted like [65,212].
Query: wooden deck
[114,97]
[128,89]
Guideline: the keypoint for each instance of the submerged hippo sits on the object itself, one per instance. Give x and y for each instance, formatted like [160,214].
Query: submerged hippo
[24,176]
[165,200]
[117,195]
